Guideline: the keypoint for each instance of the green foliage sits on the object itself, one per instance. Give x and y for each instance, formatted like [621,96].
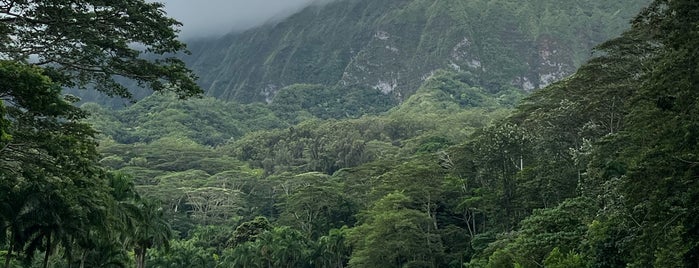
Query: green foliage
[556,259]
[391,234]
[54,193]
[363,154]
[249,231]
[489,172]
[332,249]
[327,146]
[206,120]
[657,148]
[182,253]
[91,41]
[597,170]
[630,142]
[448,88]
[51,186]
[545,232]
[674,250]
[104,254]
[54,196]
[310,146]
[278,247]
[300,102]
[151,230]
[385,50]
[314,204]
[500,259]
[4,125]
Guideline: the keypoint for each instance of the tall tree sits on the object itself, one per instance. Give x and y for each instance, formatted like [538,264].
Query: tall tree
[332,249]
[316,205]
[152,230]
[48,163]
[274,247]
[95,41]
[391,234]
[44,147]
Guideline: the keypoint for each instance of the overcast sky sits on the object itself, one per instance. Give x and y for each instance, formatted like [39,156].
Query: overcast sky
[203,18]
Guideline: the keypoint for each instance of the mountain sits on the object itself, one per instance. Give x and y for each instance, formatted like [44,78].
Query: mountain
[394,46]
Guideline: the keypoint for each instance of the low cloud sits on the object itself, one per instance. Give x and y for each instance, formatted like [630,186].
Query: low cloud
[207,18]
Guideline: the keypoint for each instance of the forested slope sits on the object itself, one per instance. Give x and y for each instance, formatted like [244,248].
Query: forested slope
[392,46]
[596,170]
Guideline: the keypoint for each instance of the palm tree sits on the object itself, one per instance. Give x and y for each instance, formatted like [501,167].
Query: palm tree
[332,249]
[105,245]
[125,210]
[105,254]
[244,255]
[151,230]
[15,212]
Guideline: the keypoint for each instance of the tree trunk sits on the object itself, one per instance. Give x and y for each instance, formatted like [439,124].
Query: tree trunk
[83,256]
[473,221]
[48,250]
[8,256]
[140,257]
[69,260]
[467,218]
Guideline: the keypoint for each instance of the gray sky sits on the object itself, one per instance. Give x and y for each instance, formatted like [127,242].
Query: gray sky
[203,18]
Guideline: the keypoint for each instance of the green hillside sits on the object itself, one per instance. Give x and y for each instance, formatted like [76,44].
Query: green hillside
[598,169]
[392,46]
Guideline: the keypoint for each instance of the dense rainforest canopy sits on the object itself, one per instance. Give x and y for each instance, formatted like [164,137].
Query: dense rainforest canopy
[598,169]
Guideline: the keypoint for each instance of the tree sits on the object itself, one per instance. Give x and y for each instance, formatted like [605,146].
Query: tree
[182,253]
[421,181]
[214,205]
[490,166]
[556,259]
[316,205]
[45,149]
[15,217]
[48,165]
[152,230]
[276,247]
[561,228]
[662,140]
[332,249]
[285,247]
[249,231]
[106,245]
[79,42]
[104,252]
[391,234]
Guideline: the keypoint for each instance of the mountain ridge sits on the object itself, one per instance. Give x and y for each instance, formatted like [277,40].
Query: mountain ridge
[393,46]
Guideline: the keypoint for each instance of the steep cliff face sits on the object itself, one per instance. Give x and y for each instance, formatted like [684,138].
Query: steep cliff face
[393,46]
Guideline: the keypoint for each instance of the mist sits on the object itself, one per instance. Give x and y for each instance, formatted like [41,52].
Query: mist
[211,18]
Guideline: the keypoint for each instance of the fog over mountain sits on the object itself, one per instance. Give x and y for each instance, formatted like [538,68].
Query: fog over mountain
[206,18]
